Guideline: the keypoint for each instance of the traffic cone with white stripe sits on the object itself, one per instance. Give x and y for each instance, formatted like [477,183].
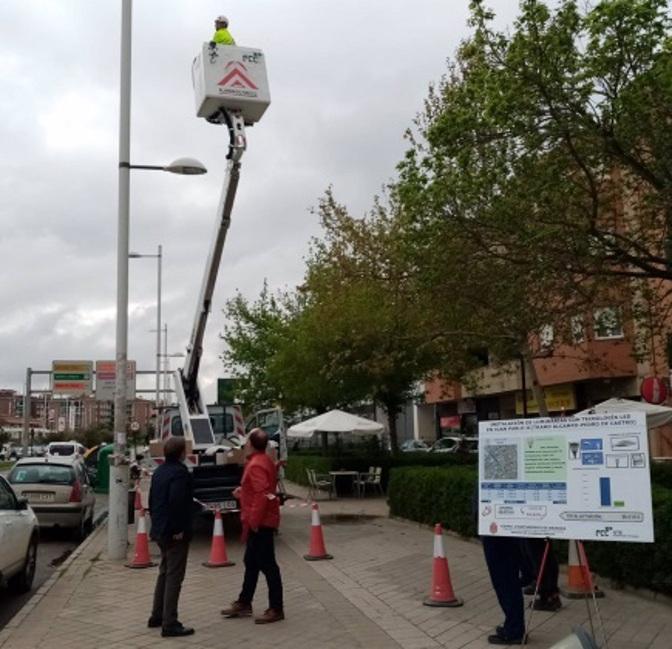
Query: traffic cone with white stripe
[580,581]
[442,590]
[218,556]
[141,558]
[317,550]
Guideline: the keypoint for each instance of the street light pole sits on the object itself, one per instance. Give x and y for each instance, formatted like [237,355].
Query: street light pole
[117,529]
[158,332]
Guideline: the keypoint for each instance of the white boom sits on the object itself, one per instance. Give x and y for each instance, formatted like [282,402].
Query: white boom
[231,88]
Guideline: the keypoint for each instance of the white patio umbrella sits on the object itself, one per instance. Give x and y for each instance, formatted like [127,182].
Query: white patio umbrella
[336,421]
[655,415]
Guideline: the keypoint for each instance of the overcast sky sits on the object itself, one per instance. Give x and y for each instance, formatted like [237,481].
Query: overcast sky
[346,78]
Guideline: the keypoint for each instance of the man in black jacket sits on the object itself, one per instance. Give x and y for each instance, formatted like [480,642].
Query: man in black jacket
[171,508]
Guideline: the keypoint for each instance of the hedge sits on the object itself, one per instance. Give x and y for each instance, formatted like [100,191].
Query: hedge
[298,463]
[445,495]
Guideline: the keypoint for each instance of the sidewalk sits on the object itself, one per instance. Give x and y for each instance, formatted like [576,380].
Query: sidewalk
[370,596]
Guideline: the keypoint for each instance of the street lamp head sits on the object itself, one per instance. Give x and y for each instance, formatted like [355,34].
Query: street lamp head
[187,167]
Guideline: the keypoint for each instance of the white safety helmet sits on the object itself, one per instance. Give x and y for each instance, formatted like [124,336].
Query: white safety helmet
[222,19]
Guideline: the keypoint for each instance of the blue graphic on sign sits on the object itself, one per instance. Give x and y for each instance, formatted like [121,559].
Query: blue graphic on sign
[591,445]
[593,458]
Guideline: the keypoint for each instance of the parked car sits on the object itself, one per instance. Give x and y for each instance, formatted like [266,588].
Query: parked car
[414,446]
[66,449]
[58,490]
[446,445]
[19,533]
[10,452]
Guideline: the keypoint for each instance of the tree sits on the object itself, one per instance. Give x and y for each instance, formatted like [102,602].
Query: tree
[546,154]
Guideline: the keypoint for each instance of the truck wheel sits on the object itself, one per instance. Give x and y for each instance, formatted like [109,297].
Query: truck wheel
[23,582]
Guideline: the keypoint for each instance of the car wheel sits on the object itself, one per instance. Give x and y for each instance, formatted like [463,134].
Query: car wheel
[81,532]
[23,582]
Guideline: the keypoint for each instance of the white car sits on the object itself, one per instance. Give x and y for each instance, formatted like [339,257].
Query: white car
[66,449]
[59,491]
[18,540]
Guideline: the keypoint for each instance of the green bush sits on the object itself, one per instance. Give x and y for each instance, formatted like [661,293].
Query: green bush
[357,461]
[435,495]
[445,495]
[297,465]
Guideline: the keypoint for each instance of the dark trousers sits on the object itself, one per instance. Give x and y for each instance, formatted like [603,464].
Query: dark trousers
[260,557]
[533,554]
[504,561]
[169,582]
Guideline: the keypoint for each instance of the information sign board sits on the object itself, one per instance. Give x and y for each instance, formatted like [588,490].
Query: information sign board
[585,478]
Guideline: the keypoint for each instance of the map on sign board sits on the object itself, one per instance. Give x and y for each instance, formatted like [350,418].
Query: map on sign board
[584,477]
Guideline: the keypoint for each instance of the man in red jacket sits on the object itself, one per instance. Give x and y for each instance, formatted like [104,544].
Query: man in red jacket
[260,515]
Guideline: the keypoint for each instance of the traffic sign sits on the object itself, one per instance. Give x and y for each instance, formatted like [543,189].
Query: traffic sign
[106,376]
[74,378]
[135,426]
[654,390]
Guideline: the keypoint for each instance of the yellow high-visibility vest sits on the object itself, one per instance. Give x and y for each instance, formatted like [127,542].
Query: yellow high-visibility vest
[223,37]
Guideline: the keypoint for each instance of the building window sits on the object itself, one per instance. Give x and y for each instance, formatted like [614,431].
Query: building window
[577,329]
[607,323]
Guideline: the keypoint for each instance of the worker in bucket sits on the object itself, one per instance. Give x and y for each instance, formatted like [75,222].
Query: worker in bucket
[222,34]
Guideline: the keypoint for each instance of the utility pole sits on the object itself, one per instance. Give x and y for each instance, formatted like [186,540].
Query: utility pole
[117,528]
[25,433]
[158,333]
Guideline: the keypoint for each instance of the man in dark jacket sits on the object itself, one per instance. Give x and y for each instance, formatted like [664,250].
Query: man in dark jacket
[260,515]
[171,508]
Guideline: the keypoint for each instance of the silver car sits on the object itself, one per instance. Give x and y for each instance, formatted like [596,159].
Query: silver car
[58,490]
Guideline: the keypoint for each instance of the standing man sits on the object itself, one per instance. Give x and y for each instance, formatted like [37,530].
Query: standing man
[171,507]
[222,35]
[260,515]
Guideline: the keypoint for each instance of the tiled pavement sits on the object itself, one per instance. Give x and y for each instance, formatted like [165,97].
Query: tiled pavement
[369,596]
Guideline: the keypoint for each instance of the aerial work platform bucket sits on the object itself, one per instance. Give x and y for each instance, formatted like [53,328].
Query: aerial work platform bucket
[232,78]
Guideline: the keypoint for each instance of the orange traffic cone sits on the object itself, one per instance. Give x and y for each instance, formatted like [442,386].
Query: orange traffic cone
[317,551]
[218,556]
[442,590]
[580,582]
[141,558]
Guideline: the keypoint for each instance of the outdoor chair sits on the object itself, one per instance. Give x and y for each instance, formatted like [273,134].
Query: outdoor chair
[371,479]
[320,482]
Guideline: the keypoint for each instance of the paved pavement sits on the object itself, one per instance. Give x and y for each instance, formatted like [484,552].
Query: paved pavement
[55,547]
[370,596]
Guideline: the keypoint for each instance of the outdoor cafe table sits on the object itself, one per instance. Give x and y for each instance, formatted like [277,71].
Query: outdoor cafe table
[353,475]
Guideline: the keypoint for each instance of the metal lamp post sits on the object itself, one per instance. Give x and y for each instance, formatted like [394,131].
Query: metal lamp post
[159,258]
[117,537]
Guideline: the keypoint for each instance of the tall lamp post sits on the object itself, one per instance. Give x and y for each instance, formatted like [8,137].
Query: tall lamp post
[159,257]
[117,530]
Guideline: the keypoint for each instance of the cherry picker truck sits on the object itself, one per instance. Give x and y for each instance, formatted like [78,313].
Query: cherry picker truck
[231,90]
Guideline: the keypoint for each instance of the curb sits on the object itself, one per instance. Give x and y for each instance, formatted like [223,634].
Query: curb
[44,589]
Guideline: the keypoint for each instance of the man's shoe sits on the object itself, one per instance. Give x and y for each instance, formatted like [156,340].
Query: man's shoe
[504,640]
[154,622]
[530,589]
[550,604]
[238,609]
[270,615]
[176,631]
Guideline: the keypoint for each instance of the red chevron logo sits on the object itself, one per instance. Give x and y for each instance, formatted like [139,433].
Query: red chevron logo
[237,78]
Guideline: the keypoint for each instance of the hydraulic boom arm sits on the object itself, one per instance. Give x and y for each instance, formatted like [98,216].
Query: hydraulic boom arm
[237,145]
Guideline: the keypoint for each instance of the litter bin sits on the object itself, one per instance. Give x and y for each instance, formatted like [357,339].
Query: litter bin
[103,476]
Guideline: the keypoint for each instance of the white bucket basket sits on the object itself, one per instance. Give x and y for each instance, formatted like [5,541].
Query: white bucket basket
[233,78]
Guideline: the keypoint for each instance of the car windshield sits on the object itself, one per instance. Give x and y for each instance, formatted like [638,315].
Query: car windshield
[42,474]
[62,449]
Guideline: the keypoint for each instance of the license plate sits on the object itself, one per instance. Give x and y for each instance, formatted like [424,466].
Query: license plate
[40,498]
[230,504]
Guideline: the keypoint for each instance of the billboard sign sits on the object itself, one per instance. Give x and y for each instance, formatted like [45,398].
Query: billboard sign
[106,376]
[72,378]
[584,478]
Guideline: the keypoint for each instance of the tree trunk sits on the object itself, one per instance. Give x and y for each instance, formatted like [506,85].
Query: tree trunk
[391,412]
[537,390]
